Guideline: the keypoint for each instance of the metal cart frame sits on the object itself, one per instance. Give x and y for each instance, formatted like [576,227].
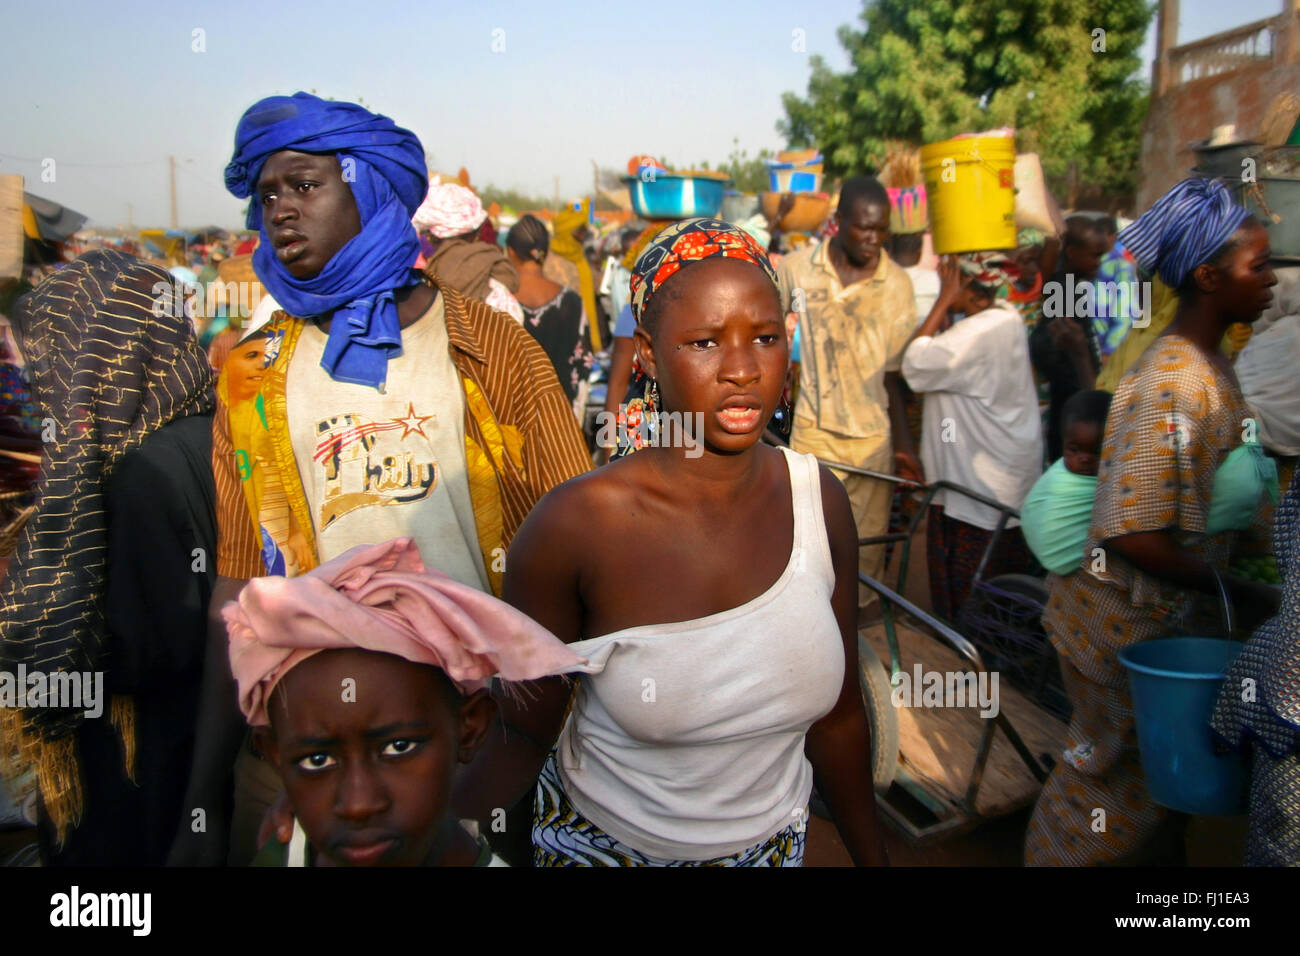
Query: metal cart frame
[952,816]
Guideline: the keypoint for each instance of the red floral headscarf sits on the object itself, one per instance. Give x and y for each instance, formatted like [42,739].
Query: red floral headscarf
[682,243]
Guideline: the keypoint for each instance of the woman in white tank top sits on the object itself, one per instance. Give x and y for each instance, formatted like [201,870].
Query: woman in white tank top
[712,587]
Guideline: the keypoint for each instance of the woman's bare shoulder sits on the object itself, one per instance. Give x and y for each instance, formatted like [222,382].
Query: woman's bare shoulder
[591,505]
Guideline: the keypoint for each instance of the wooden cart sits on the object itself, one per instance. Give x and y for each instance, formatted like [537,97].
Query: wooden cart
[942,770]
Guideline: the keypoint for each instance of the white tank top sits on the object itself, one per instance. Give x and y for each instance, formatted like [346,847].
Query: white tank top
[687,740]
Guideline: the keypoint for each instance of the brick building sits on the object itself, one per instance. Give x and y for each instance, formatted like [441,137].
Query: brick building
[1230,77]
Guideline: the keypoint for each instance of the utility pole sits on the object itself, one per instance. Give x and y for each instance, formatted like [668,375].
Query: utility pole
[171,165]
[595,183]
[557,193]
[1166,40]
[130,216]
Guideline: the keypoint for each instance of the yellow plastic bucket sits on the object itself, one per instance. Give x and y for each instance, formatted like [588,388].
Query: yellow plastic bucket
[970,186]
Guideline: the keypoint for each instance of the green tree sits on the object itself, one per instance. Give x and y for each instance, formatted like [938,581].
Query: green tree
[1064,73]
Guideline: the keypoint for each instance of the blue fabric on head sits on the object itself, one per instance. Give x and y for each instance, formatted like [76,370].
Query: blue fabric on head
[384,166]
[1183,229]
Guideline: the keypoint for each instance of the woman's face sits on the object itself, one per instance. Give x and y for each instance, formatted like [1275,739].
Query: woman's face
[720,349]
[1029,260]
[308,210]
[970,299]
[246,363]
[1246,276]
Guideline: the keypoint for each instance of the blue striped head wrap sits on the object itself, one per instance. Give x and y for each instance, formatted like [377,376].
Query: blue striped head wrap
[1183,229]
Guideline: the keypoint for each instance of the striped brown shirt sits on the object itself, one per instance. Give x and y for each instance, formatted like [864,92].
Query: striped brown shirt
[519,393]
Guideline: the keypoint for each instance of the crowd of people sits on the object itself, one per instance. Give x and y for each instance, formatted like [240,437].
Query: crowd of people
[364,593]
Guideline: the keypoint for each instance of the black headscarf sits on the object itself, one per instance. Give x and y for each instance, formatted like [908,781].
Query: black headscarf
[112,359]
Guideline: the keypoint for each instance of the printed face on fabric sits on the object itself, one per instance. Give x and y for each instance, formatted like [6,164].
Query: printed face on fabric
[247,366]
[309,210]
[367,745]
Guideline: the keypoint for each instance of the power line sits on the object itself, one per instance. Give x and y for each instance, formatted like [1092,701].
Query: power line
[202,181]
[61,162]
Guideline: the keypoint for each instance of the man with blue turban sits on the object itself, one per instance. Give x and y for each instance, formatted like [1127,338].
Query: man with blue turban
[389,404]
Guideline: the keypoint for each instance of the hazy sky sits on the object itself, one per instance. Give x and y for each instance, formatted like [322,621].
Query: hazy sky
[108,91]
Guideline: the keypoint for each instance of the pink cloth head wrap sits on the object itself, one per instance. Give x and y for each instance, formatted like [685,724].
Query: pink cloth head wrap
[449,210]
[382,598]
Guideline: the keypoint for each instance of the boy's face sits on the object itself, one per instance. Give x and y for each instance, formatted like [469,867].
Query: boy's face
[367,745]
[1083,448]
[247,362]
[1083,254]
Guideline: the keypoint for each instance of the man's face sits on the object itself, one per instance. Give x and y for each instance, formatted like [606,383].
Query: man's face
[864,227]
[309,211]
[367,745]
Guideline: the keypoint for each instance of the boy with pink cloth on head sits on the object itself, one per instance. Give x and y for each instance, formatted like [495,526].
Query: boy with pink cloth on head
[366,682]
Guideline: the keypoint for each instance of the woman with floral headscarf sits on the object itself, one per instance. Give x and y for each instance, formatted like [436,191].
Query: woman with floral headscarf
[980,425]
[708,712]
[1163,523]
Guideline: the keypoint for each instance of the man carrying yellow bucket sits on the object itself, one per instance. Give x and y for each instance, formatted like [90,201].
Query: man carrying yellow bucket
[856,315]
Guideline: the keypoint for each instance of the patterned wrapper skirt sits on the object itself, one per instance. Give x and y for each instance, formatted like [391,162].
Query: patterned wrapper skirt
[953,550]
[564,837]
[1094,808]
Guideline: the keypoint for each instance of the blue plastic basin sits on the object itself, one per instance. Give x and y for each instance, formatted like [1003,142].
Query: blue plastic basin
[666,196]
[1175,682]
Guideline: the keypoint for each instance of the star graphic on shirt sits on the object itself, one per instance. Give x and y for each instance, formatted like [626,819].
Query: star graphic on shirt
[413,422]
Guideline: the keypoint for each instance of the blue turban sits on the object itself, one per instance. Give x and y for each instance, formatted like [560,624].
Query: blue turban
[384,165]
[1183,229]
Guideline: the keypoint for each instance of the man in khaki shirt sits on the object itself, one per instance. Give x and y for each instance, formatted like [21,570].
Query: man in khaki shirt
[856,315]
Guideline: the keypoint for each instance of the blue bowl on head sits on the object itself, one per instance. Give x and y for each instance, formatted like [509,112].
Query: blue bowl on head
[1175,683]
[659,195]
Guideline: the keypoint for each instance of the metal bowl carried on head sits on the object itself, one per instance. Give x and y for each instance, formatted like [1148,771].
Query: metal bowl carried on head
[659,195]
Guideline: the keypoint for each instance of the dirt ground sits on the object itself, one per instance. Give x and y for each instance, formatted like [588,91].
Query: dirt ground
[1209,841]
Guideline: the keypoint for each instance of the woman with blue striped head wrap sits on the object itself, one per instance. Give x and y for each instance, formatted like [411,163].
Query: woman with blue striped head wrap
[333,189]
[1179,476]
[1197,224]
